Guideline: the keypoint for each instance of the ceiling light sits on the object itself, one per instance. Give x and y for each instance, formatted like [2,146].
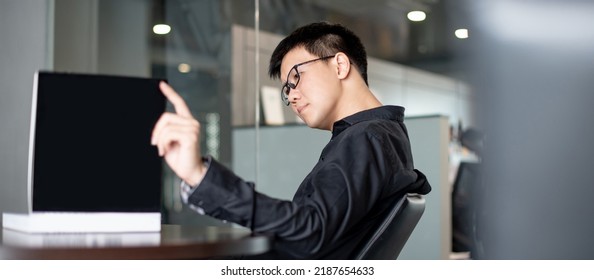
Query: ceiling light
[416,16]
[161,29]
[461,33]
[184,68]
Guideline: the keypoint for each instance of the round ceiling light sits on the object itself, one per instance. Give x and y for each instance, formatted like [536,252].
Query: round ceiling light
[461,33]
[416,16]
[161,29]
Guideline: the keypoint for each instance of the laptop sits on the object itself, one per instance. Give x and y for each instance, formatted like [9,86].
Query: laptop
[91,165]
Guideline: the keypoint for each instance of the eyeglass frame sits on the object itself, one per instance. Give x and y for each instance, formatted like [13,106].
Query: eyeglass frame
[289,86]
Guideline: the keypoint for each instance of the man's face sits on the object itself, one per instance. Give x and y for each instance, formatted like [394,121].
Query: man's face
[315,97]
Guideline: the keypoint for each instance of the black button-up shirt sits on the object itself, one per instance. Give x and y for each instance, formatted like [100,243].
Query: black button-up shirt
[367,163]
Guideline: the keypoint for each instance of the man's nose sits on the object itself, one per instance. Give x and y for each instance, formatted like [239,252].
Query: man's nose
[294,95]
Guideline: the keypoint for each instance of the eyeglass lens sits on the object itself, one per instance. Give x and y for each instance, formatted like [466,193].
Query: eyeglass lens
[292,81]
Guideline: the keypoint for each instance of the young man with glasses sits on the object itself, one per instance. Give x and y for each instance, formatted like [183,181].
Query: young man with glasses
[366,165]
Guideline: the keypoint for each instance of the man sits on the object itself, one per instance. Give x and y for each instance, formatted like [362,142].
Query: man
[366,165]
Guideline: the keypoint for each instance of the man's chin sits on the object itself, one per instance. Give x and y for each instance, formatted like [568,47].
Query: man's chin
[316,126]
[308,123]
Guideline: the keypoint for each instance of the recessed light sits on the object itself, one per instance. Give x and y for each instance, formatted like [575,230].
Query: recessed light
[184,68]
[461,33]
[161,29]
[416,16]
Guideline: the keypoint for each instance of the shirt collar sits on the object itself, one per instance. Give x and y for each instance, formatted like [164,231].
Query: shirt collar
[390,112]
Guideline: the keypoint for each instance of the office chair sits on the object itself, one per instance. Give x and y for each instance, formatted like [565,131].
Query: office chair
[387,240]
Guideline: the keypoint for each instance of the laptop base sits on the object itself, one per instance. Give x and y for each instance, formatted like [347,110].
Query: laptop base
[82,222]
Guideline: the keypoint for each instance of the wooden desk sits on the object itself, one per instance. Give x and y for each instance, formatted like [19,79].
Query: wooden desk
[173,242]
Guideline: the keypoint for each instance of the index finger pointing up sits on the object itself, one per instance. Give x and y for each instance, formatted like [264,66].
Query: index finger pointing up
[181,108]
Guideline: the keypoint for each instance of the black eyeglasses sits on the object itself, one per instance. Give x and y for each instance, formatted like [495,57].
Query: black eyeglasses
[293,79]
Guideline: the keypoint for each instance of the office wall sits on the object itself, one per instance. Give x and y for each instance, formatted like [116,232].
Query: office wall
[432,237]
[75,32]
[26,32]
[287,155]
[422,93]
[124,32]
[105,37]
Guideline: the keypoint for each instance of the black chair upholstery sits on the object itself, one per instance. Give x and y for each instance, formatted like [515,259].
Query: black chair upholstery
[388,238]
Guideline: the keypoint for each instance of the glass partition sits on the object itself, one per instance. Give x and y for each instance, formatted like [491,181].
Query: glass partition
[215,53]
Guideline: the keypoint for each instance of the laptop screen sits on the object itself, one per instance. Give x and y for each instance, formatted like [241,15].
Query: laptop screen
[90,144]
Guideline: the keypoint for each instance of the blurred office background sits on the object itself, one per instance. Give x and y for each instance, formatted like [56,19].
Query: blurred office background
[514,78]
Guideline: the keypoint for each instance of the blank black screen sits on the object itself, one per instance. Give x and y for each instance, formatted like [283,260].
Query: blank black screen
[92,147]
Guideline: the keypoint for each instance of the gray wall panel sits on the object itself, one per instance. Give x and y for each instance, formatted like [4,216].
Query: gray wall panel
[25,32]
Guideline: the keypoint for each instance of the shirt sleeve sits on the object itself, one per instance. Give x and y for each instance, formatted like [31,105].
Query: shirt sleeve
[328,204]
[225,196]
[186,190]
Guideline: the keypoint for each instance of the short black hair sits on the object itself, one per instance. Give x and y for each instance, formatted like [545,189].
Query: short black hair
[321,39]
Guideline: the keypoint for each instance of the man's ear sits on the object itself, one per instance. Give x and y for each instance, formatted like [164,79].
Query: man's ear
[343,66]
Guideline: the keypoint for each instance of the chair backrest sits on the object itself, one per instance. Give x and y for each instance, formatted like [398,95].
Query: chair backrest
[394,229]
